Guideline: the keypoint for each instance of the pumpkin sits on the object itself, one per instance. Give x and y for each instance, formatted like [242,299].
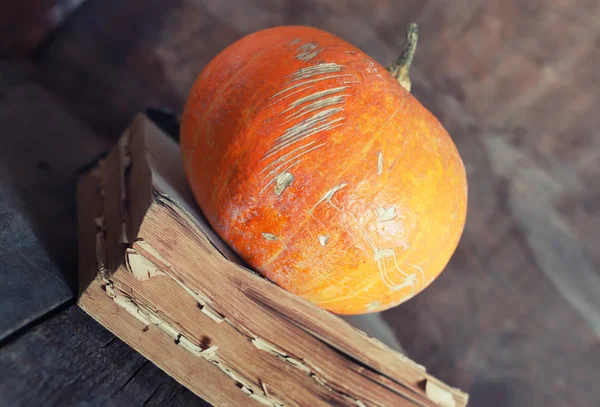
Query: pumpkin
[321,170]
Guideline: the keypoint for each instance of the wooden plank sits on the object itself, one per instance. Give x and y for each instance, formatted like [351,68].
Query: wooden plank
[69,359]
[508,79]
[40,147]
[143,43]
[179,285]
[24,24]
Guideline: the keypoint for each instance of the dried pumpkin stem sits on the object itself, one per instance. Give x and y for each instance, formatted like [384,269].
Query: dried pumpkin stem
[400,69]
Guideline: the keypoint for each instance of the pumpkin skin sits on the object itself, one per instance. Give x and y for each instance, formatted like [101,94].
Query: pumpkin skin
[321,171]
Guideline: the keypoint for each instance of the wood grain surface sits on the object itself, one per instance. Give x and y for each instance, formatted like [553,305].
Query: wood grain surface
[70,360]
[41,144]
[514,320]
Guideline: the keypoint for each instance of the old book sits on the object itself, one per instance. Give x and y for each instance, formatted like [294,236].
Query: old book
[154,273]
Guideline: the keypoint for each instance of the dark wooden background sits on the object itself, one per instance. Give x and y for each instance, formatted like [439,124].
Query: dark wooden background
[515,318]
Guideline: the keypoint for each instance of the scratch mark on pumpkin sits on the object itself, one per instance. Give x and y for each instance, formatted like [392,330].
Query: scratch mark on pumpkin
[318,69]
[298,85]
[382,253]
[360,244]
[285,156]
[301,132]
[320,121]
[308,124]
[282,181]
[290,94]
[270,237]
[308,51]
[275,178]
[296,41]
[366,234]
[386,214]
[421,272]
[313,107]
[409,281]
[345,224]
[328,195]
[315,218]
[315,96]
[286,160]
[316,113]
[393,164]
[379,162]
[371,67]
[402,273]
[323,239]
[380,256]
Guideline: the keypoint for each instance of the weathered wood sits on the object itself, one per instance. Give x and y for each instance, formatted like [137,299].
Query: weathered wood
[223,331]
[70,360]
[132,63]
[41,144]
[513,81]
[23,24]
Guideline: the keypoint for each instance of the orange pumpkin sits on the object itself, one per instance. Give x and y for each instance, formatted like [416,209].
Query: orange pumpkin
[321,171]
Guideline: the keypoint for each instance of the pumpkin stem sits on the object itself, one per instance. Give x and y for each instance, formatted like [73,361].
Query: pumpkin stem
[400,69]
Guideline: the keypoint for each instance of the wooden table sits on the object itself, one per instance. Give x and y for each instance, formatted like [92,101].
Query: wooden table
[514,320]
